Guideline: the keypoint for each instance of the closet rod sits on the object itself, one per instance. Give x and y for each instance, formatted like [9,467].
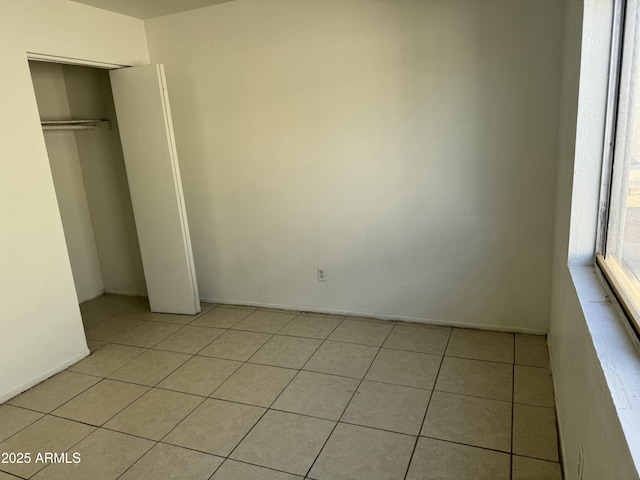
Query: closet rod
[74,124]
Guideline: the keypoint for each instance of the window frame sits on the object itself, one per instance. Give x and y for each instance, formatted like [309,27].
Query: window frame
[621,287]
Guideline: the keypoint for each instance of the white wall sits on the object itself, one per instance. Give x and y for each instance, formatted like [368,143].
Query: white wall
[408,147]
[40,325]
[586,340]
[105,178]
[53,104]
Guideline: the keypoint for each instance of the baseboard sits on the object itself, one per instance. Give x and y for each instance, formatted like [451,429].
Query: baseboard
[378,316]
[126,293]
[42,377]
[561,445]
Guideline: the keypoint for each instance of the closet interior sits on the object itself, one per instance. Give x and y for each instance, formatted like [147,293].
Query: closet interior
[87,164]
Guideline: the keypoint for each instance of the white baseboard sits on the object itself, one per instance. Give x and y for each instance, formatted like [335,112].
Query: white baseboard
[42,377]
[126,293]
[378,316]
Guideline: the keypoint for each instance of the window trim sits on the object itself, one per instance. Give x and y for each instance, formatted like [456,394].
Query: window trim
[621,287]
[611,120]
[623,291]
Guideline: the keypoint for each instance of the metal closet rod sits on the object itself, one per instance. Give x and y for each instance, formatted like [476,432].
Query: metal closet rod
[74,124]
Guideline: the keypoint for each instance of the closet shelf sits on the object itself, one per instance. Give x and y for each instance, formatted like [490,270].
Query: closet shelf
[74,124]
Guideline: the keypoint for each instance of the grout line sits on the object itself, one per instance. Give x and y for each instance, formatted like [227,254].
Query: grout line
[157,383]
[468,395]
[134,463]
[259,466]
[470,445]
[424,417]
[112,416]
[282,391]
[248,361]
[355,390]
[95,429]
[63,403]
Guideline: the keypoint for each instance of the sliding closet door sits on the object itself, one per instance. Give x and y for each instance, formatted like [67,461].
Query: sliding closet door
[144,119]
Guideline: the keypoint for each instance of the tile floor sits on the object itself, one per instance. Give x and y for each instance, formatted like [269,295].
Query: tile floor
[251,393]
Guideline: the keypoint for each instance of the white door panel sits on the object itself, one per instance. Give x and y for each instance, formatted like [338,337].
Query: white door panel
[144,119]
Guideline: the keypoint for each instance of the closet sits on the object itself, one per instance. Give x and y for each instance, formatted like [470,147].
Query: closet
[114,165]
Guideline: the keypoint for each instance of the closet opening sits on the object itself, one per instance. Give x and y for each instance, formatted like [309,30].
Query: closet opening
[115,228]
[88,169]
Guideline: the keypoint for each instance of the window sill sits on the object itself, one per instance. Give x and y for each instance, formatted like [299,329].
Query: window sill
[617,349]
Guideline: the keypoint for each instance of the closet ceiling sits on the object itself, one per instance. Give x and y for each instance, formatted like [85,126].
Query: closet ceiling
[149,8]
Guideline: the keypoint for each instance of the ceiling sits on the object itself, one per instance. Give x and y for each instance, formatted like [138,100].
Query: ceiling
[149,8]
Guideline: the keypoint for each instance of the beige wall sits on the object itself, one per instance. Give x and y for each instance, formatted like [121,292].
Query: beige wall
[40,326]
[62,150]
[408,147]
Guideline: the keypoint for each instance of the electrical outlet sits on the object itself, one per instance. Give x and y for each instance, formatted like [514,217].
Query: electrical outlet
[580,462]
[322,274]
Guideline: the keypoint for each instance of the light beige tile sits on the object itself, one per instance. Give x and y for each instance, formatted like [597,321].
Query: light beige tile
[98,404]
[215,427]
[222,317]
[235,345]
[106,360]
[150,368]
[317,395]
[476,377]
[361,332]
[14,419]
[111,328]
[311,326]
[200,375]
[265,321]
[94,311]
[49,434]
[531,469]
[344,359]
[175,318]
[531,350]
[206,307]
[190,339]
[103,454]
[232,470]
[289,352]
[534,432]
[173,463]
[388,407]
[438,460]
[154,414]
[255,384]
[53,392]
[113,303]
[533,386]
[410,369]
[480,422]
[95,345]
[140,311]
[91,319]
[284,441]
[356,452]
[481,345]
[424,339]
[148,334]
